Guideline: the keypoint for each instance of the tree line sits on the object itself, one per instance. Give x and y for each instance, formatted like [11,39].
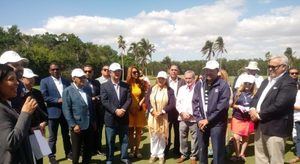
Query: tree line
[69,51]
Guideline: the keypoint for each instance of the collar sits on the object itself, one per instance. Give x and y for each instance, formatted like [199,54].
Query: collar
[59,79]
[118,83]
[77,87]
[276,78]
[171,80]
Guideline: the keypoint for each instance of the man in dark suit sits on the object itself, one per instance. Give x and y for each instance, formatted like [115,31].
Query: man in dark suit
[175,83]
[116,99]
[94,86]
[79,113]
[52,88]
[272,109]
[210,109]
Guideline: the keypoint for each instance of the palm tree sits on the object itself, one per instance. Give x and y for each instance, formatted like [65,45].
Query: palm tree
[290,55]
[268,55]
[208,50]
[122,46]
[135,50]
[145,54]
[219,47]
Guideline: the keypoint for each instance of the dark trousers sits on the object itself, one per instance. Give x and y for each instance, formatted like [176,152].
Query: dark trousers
[297,126]
[175,125]
[53,128]
[217,135]
[83,140]
[111,133]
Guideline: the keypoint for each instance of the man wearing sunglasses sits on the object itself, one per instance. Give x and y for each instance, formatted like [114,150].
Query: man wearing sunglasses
[52,88]
[272,110]
[105,76]
[294,74]
[94,86]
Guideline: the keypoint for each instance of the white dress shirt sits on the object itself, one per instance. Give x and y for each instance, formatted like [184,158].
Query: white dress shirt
[266,90]
[59,85]
[184,100]
[82,94]
[117,88]
[174,85]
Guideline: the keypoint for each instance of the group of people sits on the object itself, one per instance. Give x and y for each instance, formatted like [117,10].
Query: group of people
[189,105]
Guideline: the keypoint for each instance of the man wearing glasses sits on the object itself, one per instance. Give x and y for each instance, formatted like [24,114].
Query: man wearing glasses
[272,110]
[294,74]
[104,75]
[14,60]
[94,86]
[52,88]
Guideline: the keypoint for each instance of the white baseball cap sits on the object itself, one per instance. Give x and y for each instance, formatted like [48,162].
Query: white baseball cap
[115,67]
[212,64]
[11,57]
[162,74]
[77,72]
[248,78]
[28,73]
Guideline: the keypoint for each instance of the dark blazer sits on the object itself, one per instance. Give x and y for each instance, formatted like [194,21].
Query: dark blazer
[171,103]
[75,110]
[15,146]
[99,111]
[173,113]
[110,102]
[276,110]
[218,103]
[51,96]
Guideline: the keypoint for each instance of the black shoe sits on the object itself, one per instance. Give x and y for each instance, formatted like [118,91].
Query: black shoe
[126,161]
[52,160]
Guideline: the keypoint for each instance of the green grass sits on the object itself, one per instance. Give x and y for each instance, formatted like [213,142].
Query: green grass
[145,150]
[145,147]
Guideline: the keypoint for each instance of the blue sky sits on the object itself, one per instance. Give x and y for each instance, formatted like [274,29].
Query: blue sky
[241,20]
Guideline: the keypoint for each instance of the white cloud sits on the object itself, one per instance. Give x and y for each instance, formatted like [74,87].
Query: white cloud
[182,34]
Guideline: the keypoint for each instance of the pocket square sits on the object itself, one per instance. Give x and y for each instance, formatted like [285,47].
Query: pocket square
[275,88]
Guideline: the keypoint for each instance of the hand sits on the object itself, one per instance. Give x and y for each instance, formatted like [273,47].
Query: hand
[202,124]
[59,100]
[253,115]
[155,114]
[185,116]
[42,127]
[76,129]
[120,112]
[29,105]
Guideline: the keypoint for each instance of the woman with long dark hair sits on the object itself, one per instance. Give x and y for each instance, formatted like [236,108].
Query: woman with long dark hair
[14,137]
[137,116]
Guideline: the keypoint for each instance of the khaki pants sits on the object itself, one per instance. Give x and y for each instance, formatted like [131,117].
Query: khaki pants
[268,149]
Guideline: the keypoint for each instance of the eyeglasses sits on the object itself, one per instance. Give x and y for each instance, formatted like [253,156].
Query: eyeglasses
[55,69]
[135,72]
[105,69]
[294,73]
[88,71]
[274,68]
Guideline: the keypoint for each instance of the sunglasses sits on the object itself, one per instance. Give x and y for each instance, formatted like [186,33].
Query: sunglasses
[247,83]
[273,67]
[88,71]
[294,73]
[55,69]
[135,72]
[105,70]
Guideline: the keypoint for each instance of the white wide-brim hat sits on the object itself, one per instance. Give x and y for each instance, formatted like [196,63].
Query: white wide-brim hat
[28,73]
[252,65]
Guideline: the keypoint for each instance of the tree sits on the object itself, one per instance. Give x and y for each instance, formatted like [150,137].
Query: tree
[122,47]
[290,55]
[146,53]
[208,50]
[219,46]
